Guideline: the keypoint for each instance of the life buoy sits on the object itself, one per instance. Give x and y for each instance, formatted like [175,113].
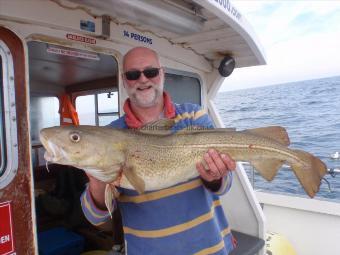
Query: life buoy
[68,114]
[277,244]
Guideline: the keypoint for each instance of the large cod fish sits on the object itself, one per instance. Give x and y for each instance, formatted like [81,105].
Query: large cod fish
[152,161]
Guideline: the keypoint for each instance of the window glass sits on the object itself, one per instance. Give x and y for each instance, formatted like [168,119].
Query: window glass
[107,108]
[44,113]
[106,120]
[108,102]
[183,88]
[2,128]
[86,110]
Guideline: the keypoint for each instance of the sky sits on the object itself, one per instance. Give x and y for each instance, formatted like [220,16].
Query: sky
[301,39]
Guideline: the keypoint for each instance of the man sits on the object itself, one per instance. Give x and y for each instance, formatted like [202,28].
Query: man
[184,219]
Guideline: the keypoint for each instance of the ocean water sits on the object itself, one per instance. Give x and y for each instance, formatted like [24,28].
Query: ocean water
[309,110]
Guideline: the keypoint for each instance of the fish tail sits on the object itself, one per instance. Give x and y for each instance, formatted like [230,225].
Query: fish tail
[309,171]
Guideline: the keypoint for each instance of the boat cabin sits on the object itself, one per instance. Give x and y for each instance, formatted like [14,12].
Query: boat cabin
[59,52]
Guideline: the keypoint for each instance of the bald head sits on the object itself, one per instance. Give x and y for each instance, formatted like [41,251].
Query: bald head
[133,58]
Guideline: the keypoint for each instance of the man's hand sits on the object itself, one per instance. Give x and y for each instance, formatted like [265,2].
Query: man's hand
[215,165]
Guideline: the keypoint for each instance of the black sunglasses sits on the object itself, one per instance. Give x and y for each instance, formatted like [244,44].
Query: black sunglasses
[148,73]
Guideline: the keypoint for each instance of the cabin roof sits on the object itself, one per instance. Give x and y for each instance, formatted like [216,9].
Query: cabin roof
[209,28]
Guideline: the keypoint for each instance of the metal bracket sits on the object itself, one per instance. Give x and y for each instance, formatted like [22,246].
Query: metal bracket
[106,19]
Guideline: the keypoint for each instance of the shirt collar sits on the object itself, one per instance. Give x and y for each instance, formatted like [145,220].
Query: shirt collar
[132,120]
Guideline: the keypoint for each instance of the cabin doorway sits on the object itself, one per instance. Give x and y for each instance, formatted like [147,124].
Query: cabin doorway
[90,80]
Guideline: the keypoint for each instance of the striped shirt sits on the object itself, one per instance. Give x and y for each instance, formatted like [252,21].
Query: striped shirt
[184,219]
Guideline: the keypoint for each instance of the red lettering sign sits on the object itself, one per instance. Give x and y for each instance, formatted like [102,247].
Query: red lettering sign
[6,233]
[80,38]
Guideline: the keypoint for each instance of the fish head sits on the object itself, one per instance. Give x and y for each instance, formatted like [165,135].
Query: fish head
[82,147]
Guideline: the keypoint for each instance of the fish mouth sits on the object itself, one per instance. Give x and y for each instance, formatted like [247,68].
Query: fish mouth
[53,153]
[48,156]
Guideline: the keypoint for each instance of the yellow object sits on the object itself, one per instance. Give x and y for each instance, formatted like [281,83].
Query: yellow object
[95,253]
[277,244]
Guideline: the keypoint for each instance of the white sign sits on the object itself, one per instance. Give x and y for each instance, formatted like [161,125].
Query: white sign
[72,53]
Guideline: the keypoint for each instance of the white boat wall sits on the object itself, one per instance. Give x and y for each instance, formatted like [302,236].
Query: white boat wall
[49,47]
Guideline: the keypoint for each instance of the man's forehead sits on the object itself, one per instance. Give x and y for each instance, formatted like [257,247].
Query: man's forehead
[140,57]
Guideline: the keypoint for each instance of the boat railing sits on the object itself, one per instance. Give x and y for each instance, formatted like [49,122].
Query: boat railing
[333,172]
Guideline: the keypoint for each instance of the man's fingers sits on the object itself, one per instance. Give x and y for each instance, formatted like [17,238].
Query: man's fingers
[211,164]
[204,173]
[215,165]
[221,166]
[231,164]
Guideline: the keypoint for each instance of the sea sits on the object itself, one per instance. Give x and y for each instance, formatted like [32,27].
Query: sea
[310,112]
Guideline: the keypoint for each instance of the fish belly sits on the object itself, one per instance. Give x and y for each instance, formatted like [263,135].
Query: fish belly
[163,166]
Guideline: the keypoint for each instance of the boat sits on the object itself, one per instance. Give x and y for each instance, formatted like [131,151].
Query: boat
[55,48]
[335,155]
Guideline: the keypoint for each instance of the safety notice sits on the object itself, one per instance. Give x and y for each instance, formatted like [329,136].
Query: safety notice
[6,229]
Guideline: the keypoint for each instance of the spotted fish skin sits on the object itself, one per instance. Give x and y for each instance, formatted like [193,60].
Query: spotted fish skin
[156,161]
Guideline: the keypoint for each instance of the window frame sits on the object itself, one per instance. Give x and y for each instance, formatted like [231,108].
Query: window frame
[95,94]
[100,114]
[10,143]
[3,158]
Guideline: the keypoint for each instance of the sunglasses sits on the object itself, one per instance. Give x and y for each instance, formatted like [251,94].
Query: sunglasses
[148,73]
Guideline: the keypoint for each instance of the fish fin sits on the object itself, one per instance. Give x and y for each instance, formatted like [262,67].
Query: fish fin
[310,172]
[267,168]
[159,127]
[109,195]
[134,179]
[277,133]
[202,130]
[164,126]
[166,123]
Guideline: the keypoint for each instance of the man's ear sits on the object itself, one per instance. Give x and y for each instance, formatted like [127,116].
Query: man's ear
[123,79]
[162,71]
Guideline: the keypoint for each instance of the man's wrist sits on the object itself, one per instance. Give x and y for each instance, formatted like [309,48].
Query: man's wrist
[214,185]
[98,203]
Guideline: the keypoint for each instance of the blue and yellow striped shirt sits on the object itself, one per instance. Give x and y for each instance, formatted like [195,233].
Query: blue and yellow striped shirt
[184,219]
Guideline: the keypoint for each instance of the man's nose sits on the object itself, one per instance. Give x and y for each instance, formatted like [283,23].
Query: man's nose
[142,78]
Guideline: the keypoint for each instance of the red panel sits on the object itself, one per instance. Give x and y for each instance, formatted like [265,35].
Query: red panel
[6,229]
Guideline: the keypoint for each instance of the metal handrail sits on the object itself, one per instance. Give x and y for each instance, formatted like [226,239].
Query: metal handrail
[331,171]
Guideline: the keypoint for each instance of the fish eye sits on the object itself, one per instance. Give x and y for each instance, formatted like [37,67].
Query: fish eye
[75,137]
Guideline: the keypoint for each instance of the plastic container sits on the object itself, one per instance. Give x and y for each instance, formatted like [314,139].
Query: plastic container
[59,241]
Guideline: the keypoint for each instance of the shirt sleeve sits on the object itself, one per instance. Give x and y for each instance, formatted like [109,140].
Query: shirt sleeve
[92,213]
[226,184]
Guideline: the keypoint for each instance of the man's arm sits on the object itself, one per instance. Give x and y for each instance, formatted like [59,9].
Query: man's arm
[93,204]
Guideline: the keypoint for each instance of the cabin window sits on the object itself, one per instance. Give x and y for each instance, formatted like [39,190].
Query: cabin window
[84,75]
[2,129]
[44,112]
[183,87]
[86,110]
[8,124]
[97,109]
